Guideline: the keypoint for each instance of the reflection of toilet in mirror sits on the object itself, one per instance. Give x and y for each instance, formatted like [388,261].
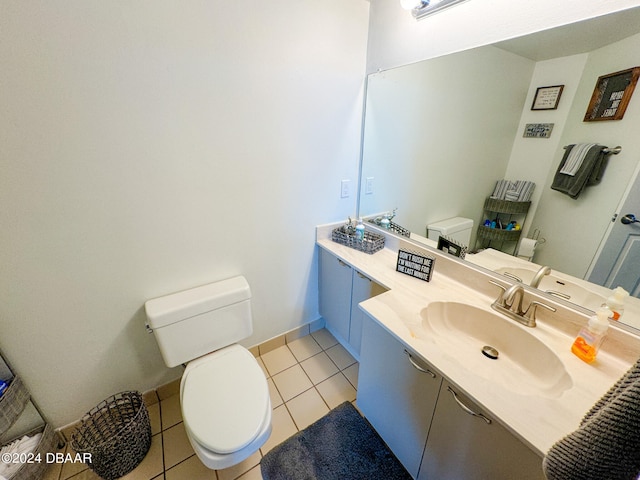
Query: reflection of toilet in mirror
[223,392]
[457,228]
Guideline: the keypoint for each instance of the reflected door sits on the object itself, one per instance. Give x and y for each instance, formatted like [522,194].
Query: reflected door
[619,262]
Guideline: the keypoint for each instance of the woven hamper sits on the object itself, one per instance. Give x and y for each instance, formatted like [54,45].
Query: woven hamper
[116,433]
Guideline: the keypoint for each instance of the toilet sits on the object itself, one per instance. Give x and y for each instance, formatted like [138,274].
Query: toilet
[224,394]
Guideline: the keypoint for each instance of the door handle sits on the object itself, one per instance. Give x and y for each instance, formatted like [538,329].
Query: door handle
[629,218]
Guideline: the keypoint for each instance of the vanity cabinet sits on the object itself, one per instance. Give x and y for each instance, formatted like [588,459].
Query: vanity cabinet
[467,443]
[433,429]
[397,393]
[342,288]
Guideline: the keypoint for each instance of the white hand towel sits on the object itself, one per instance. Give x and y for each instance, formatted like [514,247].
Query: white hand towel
[576,157]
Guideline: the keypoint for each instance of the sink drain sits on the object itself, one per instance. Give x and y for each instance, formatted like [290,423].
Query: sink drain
[490,352]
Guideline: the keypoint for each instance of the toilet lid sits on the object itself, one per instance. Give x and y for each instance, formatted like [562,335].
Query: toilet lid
[225,399]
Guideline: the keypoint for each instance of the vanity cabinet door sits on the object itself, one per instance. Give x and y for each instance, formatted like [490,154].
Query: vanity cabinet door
[463,446]
[363,289]
[335,294]
[396,396]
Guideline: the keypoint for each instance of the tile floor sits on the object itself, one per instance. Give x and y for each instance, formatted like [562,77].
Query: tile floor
[307,377]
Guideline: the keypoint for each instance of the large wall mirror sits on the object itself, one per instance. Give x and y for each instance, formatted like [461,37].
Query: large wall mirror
[440,133]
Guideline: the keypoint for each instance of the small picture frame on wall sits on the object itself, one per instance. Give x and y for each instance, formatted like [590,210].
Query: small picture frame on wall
[612,95]
[547,98]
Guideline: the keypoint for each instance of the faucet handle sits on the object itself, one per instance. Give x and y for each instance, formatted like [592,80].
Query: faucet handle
[530,313]
[500,300]
[512,276]
[558,294]
[504,289]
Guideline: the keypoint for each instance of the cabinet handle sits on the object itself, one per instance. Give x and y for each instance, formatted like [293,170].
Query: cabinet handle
[342,263]
[467,409]
[361,275]
[418,367]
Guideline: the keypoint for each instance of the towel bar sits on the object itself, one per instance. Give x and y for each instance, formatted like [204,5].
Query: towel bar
[610,151]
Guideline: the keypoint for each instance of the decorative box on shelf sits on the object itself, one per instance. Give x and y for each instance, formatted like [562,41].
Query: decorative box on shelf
[371,243]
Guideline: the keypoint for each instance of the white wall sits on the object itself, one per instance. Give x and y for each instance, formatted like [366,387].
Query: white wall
[149,147]
[396,38]
[532,158]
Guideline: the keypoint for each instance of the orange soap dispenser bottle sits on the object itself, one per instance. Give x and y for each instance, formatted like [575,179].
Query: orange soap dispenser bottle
[588,341]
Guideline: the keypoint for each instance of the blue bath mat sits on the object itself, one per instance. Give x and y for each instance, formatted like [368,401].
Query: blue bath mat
[339,446]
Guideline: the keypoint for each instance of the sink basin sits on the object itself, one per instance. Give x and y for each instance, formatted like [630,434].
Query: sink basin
[525,364]
[578,294]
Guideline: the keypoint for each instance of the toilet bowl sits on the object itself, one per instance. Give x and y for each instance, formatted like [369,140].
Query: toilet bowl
[225,406]
[224,395]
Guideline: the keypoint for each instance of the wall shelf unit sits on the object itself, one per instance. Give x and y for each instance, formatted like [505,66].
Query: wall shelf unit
[20,416]
[504,211]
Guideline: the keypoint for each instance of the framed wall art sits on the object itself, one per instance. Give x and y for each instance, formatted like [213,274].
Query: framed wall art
[611,95]
[547,98]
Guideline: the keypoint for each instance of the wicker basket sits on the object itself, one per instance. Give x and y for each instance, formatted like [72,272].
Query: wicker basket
[12,403]
[36,470]
[371,243]
[489,233]
[506,206]
[117,434]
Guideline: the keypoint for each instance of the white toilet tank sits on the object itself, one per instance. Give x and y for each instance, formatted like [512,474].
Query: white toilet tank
[194,322]
[458,228]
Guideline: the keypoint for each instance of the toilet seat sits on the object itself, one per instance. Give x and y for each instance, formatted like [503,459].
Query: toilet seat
[225,399]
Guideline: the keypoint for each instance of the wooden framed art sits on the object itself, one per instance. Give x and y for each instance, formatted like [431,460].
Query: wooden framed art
[547,98]
[612,95]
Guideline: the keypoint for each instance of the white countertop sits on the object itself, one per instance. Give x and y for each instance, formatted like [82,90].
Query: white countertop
[538,420]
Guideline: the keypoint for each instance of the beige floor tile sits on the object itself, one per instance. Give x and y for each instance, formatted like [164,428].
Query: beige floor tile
[52,472]
[352,374]
[253,474]
[70,469]
[151,465]
[176,445]
[319,367]
[278,360]
[324,338]
[169,389]
[89,475]
[234,472]
[264,369]
[154,418]
[282,427]
[340,356]
[292,382]
[297,333]
[276,399]
[336,390]
[171,412]
[304,348]
[272,344]
[192,468]
[307,408]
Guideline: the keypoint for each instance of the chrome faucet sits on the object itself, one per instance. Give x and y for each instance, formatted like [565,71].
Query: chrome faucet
[537,278]
[509,303]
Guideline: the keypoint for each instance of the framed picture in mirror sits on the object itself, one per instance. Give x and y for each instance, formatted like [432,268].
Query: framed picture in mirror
[612,95]
[547,98]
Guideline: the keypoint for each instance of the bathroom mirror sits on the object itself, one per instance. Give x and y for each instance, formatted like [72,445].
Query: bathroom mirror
[440,133]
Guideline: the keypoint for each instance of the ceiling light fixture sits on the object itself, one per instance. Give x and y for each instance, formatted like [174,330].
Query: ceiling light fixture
[422,8]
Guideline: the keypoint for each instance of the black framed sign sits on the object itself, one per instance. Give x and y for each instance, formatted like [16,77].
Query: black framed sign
[612,95]
[415,264]
[547,98]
